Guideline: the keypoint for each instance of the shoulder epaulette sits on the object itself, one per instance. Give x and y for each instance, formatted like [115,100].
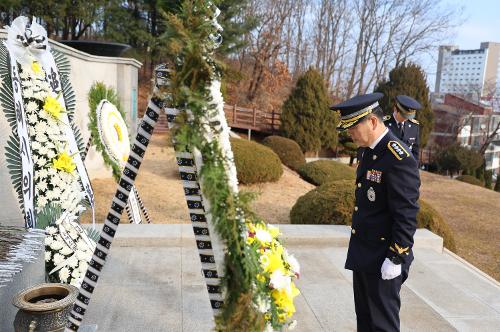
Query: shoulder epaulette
[386,117]
[414,121]
[397,150]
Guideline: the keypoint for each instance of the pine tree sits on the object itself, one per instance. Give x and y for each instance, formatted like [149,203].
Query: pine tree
[410,80]
[306,117]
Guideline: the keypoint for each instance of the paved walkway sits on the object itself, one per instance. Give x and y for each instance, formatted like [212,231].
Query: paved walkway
[152,282]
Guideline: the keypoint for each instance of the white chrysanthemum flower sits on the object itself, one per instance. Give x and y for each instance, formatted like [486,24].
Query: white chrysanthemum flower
[43,173]
[64,274]
[66,251]
[50,195]
[32,119]
[76,273]
[292,325]
[32,131]
[83,266]
[279,280]
[41,201]
[35,145]
[24,75]
[44,115]
[31,106]
[42,162]
[41,127]
[48,256]
[80,254]
[56,245]
[292,261]
[58,259]
[73,261]
[57,192]
[77,282]
[42,138]
[263,304]
[51,230]
[48,240]
[45,86]
[263,236]
[39,96]
[28,93]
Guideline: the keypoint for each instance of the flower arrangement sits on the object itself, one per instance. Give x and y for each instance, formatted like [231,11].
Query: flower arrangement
[55,178]
[67,246]
[68,250]
[277,270]
[259,272]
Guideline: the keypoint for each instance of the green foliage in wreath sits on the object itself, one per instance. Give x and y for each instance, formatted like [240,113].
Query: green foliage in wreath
[97,93]
[193,70]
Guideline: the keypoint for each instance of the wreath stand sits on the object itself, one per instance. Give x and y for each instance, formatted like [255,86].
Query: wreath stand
[209,247]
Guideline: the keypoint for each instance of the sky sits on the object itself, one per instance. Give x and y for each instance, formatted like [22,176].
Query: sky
[481,24]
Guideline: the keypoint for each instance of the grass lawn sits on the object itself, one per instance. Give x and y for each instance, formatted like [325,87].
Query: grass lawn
[473,214]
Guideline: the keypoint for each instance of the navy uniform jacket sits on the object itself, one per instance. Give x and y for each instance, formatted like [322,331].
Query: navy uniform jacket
[411,133]
[384,218]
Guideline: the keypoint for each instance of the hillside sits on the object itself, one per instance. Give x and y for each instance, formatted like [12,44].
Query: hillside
[472,212]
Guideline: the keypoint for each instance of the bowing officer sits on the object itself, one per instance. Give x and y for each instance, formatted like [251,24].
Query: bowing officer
[403,124]
[384,216]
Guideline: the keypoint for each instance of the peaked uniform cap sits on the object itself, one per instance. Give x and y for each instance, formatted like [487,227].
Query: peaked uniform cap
[407,105]
[353,110]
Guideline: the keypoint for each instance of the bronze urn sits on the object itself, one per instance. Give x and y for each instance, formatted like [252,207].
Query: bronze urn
[44,307]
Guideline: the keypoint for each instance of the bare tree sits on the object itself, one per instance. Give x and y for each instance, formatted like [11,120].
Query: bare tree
[267,42]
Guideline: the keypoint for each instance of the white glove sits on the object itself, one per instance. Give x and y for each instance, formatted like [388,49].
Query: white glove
[390,270]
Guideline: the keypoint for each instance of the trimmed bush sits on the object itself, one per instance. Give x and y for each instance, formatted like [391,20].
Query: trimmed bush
[429,218]
[255,163]
[331,204]
[322,171]
[497,184]
[471,180]
[287,150]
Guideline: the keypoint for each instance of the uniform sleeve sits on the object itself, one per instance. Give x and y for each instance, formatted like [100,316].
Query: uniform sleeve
[403,183]
[416,147]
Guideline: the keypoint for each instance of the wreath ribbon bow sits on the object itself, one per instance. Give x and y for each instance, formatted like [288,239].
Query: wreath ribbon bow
[27,37]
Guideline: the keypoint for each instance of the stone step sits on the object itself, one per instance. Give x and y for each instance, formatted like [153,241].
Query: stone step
[152,282]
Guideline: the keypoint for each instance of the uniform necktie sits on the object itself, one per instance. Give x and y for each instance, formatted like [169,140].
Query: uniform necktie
[401,129]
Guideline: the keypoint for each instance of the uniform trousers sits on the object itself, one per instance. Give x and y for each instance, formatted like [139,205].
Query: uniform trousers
[377,301]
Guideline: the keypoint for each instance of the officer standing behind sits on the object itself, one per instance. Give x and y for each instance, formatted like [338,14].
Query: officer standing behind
[403,124]
[384,217]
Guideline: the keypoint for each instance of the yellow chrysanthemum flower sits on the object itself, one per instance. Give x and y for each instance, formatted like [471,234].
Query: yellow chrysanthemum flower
[64,162]
[284,299]
[52,106]
[274,231]
[35,66]
[271,260]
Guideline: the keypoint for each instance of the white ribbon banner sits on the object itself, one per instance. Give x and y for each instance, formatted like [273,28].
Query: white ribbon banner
[28,40]
[28,187]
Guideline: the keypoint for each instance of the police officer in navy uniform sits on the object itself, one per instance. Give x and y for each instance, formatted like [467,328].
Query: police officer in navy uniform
[403,124]
[384,216]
